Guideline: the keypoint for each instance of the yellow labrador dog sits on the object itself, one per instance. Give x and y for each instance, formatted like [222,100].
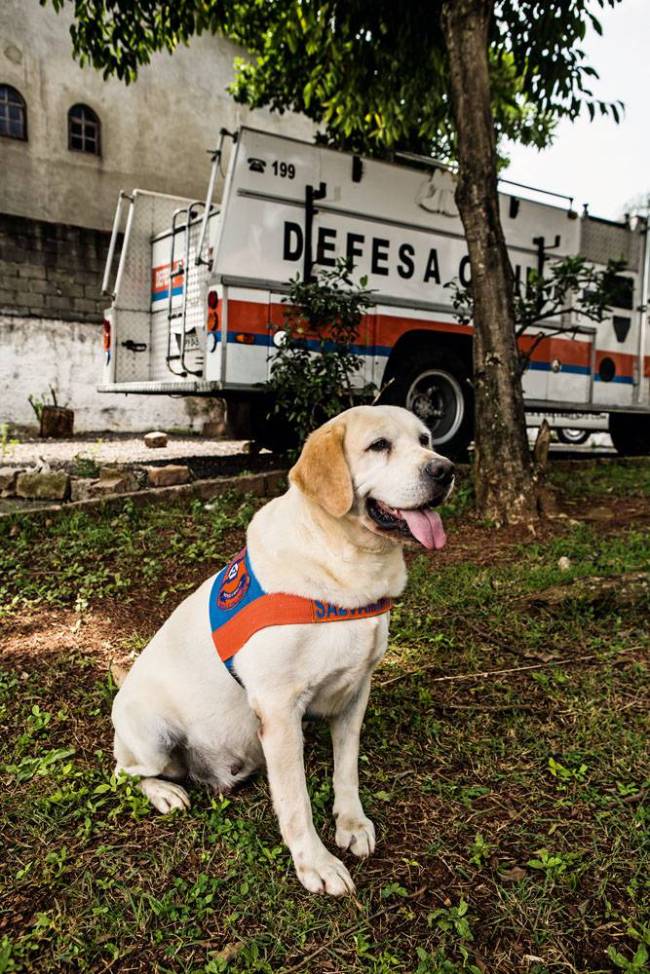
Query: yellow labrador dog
[295,625]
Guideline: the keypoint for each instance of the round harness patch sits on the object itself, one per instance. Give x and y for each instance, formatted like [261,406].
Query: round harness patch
[236,582]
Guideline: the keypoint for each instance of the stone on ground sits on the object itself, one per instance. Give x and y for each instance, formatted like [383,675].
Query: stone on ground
[81,488]
[51,485]
[111,480]
[155,440]
[120,480]
[8,476]
[168,476]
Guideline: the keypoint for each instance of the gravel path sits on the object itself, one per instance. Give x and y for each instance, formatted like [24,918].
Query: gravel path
[131,449]
[117,450]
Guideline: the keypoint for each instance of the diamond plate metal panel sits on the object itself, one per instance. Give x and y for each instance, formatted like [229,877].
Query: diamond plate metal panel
[140,315]
[132,326]
[148,215]
[158,371]
[601,241]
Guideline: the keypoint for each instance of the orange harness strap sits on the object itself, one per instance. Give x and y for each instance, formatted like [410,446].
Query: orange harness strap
[239,607]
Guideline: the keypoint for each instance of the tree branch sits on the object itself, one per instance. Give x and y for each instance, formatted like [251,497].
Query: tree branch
[524,357]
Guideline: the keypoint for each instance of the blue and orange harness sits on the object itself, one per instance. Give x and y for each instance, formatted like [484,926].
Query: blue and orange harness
[239,607]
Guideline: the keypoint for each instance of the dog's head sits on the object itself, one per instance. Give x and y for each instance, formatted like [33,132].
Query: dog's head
[375,464]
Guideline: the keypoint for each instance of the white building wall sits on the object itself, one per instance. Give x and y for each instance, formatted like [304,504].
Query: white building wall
[155,132]
[37,353]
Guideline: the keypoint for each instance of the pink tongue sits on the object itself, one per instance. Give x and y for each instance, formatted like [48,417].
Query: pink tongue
[427,527]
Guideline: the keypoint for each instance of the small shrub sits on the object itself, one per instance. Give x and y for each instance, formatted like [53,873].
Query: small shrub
[312,373]
[84,466]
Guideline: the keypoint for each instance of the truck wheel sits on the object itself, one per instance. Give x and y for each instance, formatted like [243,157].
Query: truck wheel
[436,386]
[630,433]
[573,437]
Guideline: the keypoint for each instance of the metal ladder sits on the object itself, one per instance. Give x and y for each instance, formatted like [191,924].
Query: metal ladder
[189,212]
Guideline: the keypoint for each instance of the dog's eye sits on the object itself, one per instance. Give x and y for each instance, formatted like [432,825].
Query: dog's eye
[424,440]
[380,446]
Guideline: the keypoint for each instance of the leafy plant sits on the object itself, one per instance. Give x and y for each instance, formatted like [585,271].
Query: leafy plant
[396,95]
[570,287]
[638,964]
[565,774]
[552,864]
[7,442]
[38,404]
[453,922]
[480,850]
[391,890]
[438,963]
[40,765]
[313,372]
[452,918]
[84,466]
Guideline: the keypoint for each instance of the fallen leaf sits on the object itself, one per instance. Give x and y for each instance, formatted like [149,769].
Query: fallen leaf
[228,953]
[513,875]
[542,657]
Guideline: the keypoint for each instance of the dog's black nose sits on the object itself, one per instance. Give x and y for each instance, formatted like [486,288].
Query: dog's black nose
[440,470]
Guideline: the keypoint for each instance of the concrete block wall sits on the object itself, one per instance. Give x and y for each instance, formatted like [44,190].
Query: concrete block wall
[51,311]
[51,270]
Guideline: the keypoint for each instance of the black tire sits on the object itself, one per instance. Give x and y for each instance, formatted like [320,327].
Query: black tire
[573,437]
[436,386]
[630,433]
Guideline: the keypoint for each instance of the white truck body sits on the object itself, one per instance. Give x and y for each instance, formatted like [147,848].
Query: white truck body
[400,225]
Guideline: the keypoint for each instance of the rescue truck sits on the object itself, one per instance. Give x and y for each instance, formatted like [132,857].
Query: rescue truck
[197,292]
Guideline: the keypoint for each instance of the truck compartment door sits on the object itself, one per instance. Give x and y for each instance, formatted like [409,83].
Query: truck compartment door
[560,367]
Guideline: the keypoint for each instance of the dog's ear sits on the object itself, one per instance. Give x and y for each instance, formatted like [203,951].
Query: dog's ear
[322,471]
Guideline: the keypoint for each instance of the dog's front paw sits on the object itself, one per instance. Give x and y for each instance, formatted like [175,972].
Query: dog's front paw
[324,873]
[165,795]
[356,834]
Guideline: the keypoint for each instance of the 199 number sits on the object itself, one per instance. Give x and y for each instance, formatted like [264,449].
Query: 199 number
[286,170]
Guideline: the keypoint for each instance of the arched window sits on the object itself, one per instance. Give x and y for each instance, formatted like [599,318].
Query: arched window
[13,113]
[84,130]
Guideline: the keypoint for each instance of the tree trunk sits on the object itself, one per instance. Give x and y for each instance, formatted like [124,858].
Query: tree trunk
[504,478]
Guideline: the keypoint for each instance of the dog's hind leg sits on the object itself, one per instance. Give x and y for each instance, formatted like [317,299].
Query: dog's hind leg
[144,746]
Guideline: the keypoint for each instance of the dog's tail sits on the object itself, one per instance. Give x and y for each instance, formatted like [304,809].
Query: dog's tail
[118,673]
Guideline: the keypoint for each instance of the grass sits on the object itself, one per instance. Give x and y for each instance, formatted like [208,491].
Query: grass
[510,809]
[90,557]
[621,478]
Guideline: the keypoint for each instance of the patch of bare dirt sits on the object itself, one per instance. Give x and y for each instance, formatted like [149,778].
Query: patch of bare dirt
[46,633]
[472,541]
